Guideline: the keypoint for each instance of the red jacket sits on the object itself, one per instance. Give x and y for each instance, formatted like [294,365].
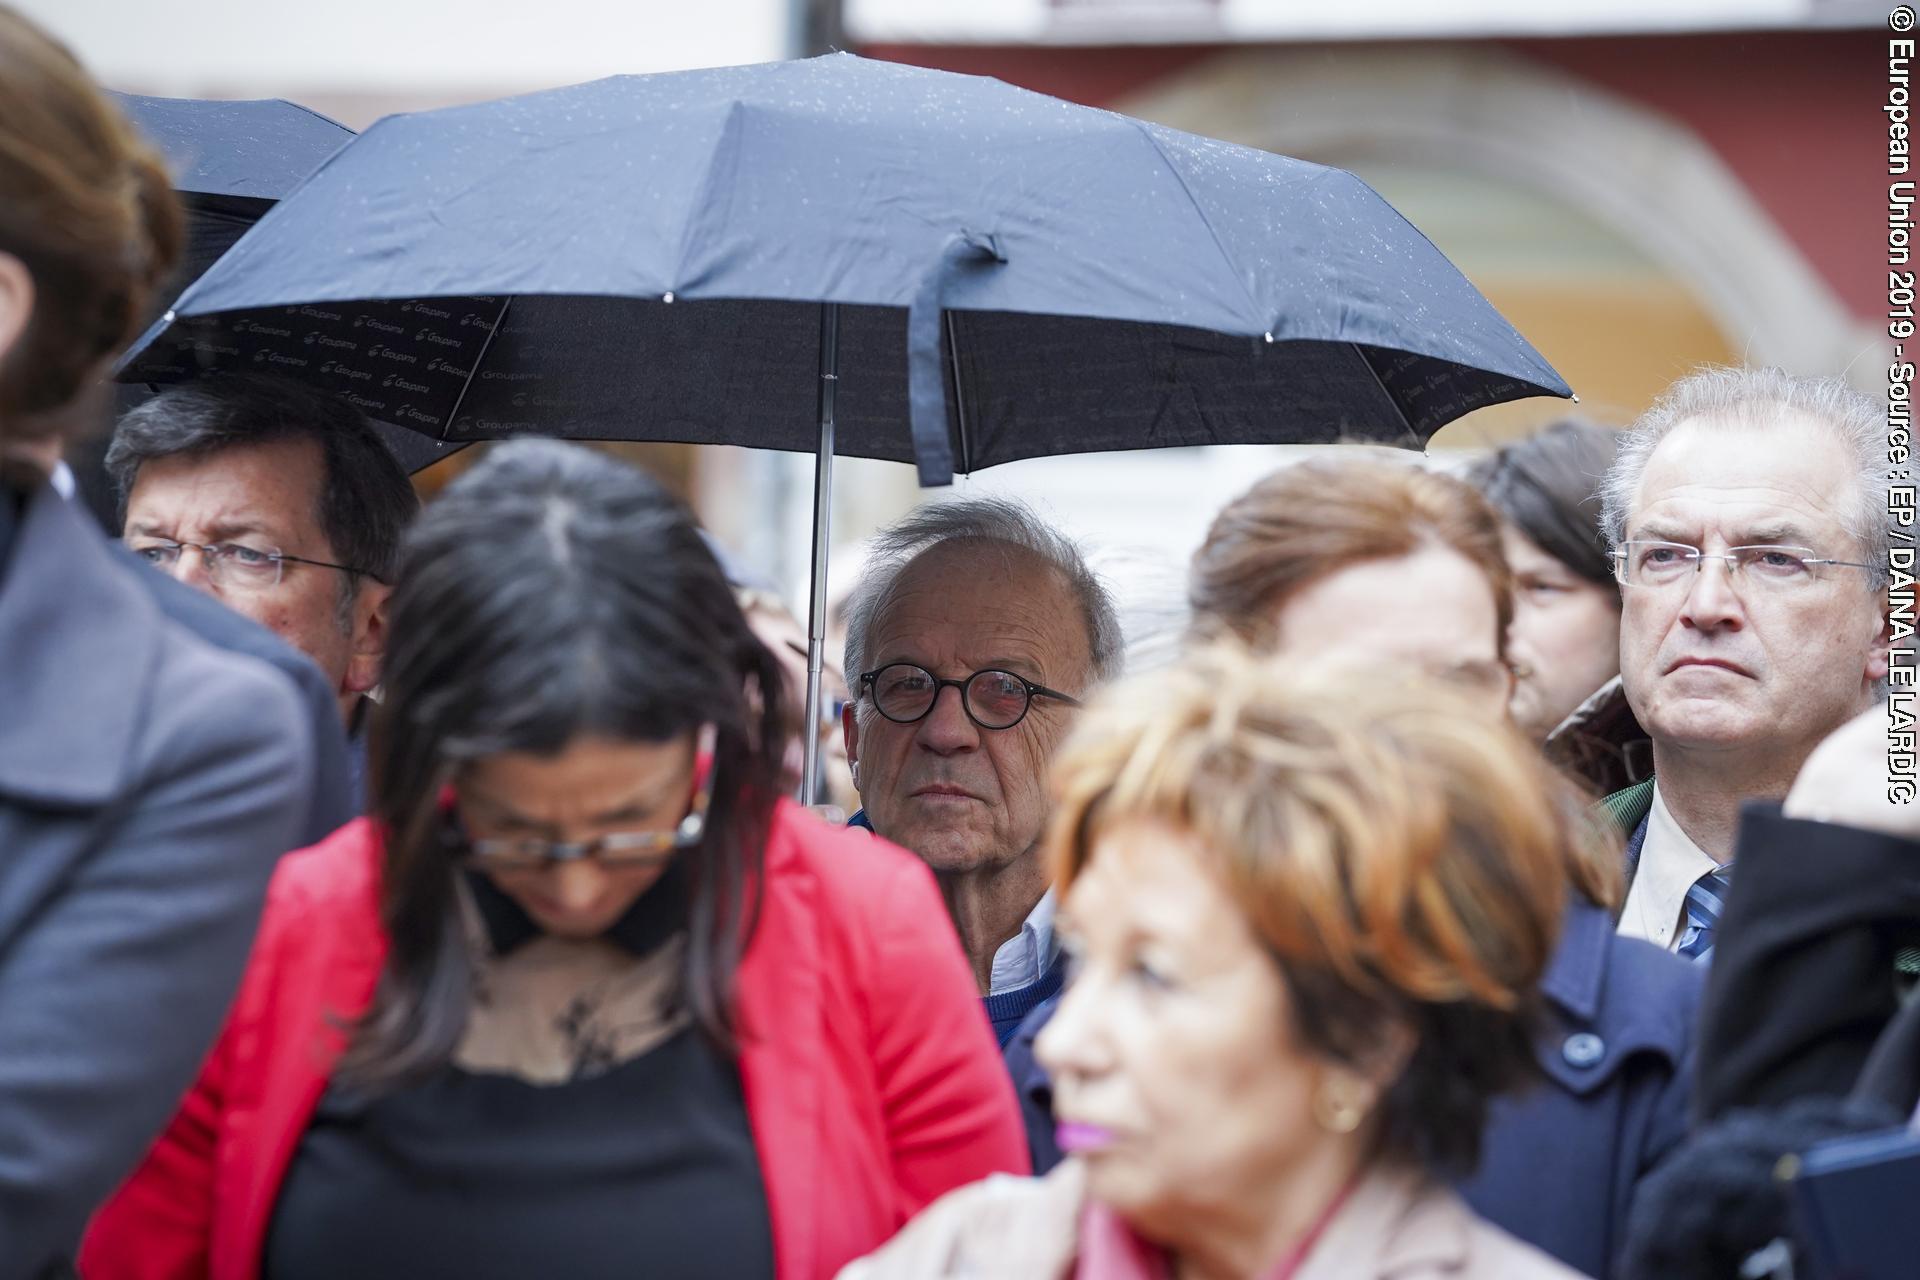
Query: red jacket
[872,1082]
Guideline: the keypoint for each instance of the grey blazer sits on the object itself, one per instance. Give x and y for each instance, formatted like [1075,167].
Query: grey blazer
[148,783]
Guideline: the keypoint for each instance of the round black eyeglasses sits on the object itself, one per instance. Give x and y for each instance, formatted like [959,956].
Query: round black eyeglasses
[992,699]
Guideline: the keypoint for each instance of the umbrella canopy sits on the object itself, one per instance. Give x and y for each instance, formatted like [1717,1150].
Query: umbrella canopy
[645,257]
[848,256]
[231,162]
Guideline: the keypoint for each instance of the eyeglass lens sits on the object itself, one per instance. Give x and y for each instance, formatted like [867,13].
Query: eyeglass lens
[1664,563]
[905,693]
[226,563]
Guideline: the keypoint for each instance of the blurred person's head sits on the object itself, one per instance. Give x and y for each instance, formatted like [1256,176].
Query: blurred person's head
[89,227]
[1381,565]
[283,502]
[574,708]
[982,593]
[786,639]
[1565,641]
[1376,560]
[1749,662]
[1308,912]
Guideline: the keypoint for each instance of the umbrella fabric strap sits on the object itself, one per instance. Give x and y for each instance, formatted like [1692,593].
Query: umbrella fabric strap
[926,389]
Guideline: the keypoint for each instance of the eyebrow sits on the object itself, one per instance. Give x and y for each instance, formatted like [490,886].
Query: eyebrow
[220,530]
[1657,532]
[1780,531]
[216,531]
[1773,533]
[1019,666]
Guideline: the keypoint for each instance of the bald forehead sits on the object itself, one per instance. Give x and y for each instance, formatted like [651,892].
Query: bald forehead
[981,557]
[1754,461]
[982,601]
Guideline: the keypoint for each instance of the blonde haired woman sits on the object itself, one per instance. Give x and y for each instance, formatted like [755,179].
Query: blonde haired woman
[1308,915]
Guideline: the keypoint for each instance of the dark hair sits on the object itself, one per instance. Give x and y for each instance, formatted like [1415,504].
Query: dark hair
[91,213]
[1548,486]
[1719,1199]
[366,499]
[1401,857]
[551,592]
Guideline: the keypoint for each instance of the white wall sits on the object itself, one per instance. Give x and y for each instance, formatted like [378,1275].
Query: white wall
[425,49]
[1203,21]
[1138,516]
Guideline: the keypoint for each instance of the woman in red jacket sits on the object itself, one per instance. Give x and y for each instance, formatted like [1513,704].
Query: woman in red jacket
[583,998]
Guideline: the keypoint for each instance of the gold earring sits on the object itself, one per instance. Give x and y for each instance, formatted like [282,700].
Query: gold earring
[1338,1109]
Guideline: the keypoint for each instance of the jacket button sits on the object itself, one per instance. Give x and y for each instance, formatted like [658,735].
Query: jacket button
[1583,1049]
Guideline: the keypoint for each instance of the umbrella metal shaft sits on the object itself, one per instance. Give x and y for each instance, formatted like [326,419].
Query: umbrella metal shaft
[822,525]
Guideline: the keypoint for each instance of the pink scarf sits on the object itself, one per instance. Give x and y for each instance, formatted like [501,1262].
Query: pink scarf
[1110,1250]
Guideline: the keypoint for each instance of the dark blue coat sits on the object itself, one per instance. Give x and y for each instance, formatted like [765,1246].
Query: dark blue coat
[1561,1161]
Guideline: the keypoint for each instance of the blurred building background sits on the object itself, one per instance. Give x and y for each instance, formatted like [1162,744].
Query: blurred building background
[1639,185]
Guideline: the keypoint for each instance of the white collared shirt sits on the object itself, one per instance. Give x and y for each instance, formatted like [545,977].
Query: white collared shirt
[1023,958]
[1670,863]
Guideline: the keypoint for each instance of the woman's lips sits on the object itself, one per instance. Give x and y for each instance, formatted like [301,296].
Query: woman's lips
[1073,1137]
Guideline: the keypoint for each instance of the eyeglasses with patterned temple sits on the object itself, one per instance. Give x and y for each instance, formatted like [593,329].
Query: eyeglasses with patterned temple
[233,564]
[617,848]
[1643,563]
[993,699]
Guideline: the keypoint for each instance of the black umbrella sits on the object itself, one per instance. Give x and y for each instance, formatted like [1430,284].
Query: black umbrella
[851,256]
[231,162]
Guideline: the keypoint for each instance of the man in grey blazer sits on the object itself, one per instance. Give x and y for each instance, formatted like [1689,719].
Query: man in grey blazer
[148,783]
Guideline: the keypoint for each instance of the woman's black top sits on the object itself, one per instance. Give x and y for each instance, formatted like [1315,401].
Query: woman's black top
[647,1169]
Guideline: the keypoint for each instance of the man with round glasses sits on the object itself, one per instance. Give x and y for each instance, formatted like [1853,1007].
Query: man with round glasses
[974,632]
[1746,515]
[282,503]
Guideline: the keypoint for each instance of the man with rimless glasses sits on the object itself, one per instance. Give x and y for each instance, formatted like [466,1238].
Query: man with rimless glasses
[280,502]
[974,633]
[1746,517]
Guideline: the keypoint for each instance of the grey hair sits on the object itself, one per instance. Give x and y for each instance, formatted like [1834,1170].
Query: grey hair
[986,519]
[1752,399]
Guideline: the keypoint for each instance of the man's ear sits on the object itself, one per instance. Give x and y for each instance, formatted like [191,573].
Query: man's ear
[369,651]
[16,303]
[850,735]
[1878,657]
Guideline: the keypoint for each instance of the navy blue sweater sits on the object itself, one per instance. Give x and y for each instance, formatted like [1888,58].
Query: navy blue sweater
[1010,1008]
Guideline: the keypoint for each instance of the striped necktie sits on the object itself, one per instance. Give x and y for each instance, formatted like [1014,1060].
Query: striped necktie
[1705,900]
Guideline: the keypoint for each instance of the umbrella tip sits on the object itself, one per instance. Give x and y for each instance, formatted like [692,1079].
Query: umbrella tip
[1575,395]
[667,296]
[168,318]
[1269,335]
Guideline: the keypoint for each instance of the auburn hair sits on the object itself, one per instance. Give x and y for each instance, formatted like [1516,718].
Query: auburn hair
[1318,517]
[91,213]
[1314,518]
[1402,858]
